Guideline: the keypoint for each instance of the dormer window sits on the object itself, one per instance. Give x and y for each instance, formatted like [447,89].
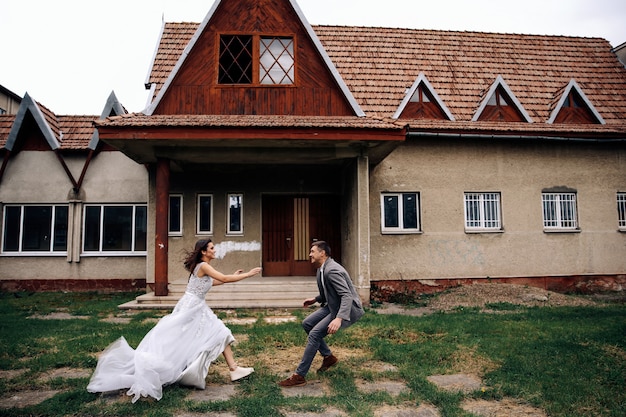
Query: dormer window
[574,107]
[421,101]
[501,105]
[256,60]
[499,109]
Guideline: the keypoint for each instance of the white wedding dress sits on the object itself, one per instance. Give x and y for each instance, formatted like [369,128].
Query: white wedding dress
[179,348]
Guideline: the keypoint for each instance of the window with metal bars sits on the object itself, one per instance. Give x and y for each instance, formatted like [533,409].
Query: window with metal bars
[260,60]
[559,211]
[482,211]
[621,211]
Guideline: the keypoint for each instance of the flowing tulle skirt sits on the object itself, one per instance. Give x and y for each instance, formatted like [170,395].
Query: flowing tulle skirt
[179,348]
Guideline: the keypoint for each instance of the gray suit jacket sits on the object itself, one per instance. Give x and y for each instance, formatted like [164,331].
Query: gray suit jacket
[340,295]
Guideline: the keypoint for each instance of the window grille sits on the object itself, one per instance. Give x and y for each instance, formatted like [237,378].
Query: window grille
[482,211]
[235,60]
[559,211]
[276,59]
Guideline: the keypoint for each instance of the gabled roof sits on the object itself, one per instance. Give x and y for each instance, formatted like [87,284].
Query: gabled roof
[112,108]
[421,79]
[573,85]
[182,56]
[44,118]
[61,132]
[500,83]
[379,64]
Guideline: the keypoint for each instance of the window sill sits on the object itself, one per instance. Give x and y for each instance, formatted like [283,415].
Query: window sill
[401,232]
[111,254]
[482,231]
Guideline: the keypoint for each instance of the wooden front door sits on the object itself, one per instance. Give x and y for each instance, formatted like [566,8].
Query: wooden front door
[290,225]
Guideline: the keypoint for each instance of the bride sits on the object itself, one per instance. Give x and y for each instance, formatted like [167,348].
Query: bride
[182,345]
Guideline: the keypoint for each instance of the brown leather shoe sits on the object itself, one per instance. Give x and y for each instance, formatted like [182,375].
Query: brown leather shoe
[328,362]
[294,380]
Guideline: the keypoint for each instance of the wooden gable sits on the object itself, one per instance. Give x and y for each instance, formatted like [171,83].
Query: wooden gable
[575,108]
[195,86]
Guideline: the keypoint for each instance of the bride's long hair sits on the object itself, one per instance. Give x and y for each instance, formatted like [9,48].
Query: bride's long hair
[193,258]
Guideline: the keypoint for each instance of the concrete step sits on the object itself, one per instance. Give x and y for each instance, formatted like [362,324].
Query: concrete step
[274,292]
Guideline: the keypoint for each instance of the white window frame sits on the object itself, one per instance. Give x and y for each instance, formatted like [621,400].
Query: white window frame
[209,231]
[171,232]
[488,218]
[401,229]
[228,211]
[561,201]
[21,251]
[100,251]
[621,211]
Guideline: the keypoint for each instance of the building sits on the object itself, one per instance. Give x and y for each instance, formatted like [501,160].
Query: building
[74,210]
[9,101]
[426,158]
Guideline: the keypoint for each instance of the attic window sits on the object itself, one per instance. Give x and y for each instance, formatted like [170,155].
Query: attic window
[574,107]
[499,109]
[235,59]
[422,105]
[421,101]
[501,105]
[251,59]
[276,59]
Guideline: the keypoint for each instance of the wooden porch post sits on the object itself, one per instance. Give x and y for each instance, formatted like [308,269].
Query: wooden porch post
[161,220]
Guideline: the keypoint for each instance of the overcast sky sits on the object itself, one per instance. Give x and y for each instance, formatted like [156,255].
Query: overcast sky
[70,54]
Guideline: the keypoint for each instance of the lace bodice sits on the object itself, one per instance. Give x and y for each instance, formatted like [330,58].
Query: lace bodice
[199,286]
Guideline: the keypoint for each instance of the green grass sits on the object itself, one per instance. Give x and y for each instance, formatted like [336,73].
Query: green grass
[568,361]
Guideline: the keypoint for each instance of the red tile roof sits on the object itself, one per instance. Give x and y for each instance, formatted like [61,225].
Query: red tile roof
[72,132]
[380,64]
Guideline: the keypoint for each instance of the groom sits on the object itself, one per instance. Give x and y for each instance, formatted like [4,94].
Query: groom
[340,307]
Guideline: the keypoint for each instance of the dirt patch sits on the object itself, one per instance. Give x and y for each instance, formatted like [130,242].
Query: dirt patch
[65,373]
[503,408]
[26,398]
[487,296]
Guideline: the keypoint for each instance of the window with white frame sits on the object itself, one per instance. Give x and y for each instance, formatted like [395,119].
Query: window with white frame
[35,229]
[621,211]
[235,214]
[175,218]
[400,212]
[559,211]
[115,229]
[482,211]
[205,214]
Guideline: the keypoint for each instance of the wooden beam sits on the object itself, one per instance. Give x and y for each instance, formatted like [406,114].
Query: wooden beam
[161,220]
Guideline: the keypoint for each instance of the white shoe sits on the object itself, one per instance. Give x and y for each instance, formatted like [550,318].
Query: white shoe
[240,372]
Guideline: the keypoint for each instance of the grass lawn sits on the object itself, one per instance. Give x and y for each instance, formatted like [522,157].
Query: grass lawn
[566,361]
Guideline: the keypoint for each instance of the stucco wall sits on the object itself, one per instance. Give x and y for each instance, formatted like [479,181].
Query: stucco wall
[441,172]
